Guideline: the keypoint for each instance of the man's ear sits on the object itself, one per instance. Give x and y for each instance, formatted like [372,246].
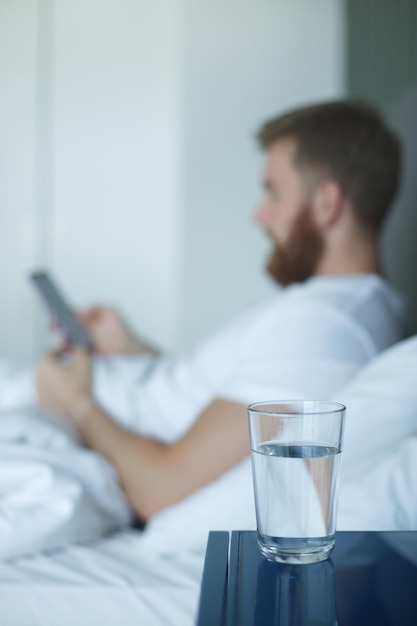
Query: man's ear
[327,203]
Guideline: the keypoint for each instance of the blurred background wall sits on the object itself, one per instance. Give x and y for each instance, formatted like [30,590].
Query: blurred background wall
[128,165]
[382,67]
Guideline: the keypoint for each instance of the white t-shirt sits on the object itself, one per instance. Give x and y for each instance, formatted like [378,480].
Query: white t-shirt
[308,341]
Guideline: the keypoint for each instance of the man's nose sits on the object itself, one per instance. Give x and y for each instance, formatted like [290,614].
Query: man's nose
[261,215]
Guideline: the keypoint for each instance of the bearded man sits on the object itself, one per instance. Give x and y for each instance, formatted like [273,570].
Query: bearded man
[331,173]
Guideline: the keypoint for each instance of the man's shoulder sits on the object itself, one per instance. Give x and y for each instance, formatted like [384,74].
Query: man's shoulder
[350,293]
[362,303]
[358,299]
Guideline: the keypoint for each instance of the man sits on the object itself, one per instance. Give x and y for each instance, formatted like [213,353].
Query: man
[330,176]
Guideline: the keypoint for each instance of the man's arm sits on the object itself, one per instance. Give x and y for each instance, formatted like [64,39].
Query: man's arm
[153,475]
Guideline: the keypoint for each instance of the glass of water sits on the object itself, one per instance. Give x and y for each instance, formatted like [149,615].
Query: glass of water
[296,450]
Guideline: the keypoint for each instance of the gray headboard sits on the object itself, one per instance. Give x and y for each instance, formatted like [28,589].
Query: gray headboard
[399,239]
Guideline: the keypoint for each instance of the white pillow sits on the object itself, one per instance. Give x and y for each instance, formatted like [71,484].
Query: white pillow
[381,402]
[378,488]
[381,405]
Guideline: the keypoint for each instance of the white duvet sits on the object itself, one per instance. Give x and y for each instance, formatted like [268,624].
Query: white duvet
[53,492]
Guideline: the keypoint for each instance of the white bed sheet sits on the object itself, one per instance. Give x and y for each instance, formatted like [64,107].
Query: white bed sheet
[113,581]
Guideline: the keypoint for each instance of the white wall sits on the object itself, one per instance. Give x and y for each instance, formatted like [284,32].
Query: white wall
[245,61]
[140,189]
[18,193]
[116,166]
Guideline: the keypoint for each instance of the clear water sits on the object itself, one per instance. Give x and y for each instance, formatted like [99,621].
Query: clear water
[295,493]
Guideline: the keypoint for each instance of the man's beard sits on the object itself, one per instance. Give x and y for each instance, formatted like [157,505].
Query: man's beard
[297,259]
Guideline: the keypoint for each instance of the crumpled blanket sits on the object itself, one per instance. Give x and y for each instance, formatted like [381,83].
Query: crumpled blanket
[52,490]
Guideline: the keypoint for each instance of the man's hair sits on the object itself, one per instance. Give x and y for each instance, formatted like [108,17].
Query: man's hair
[349,142]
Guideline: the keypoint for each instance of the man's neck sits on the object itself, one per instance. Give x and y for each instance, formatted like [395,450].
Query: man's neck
[358,258]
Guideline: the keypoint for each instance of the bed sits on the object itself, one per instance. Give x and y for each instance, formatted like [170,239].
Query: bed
[109,581]
[69,553]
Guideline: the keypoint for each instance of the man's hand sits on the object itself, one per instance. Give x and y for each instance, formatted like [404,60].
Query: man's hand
[64,385]
[110,333]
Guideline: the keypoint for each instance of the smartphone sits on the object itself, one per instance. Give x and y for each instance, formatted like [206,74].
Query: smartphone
[74,331]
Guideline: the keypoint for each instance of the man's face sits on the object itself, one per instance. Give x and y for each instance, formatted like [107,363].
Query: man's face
[286,214]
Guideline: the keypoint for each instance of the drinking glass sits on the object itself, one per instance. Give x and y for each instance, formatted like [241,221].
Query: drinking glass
[296,448]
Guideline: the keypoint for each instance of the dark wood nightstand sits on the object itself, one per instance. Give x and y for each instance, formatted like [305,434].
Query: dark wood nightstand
[371,578]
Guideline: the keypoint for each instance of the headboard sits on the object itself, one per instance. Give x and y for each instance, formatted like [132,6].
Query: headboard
[399,239]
